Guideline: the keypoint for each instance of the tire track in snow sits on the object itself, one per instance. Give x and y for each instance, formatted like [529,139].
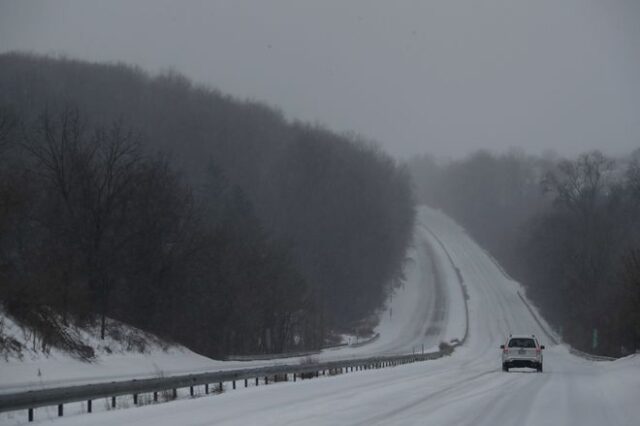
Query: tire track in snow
[421,400]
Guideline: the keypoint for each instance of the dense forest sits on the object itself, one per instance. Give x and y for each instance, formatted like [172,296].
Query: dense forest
[207,220]
[568,229]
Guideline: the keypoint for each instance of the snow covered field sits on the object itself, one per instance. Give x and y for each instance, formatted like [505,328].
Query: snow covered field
[467,388]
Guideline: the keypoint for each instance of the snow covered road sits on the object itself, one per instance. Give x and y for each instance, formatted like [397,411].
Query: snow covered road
[459,390]
[467,388]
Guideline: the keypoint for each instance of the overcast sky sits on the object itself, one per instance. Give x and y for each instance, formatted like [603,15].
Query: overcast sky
[444,76]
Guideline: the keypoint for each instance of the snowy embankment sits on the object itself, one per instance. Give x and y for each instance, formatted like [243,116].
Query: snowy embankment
[420,314]
[135,354]
[467,388]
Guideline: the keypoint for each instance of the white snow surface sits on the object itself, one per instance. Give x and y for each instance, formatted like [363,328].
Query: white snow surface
[467,388]
[115,359]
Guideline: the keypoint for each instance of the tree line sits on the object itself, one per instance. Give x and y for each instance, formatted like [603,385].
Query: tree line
[210,221]
[568,229]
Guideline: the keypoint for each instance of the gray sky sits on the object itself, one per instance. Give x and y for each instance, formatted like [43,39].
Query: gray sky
[442,76]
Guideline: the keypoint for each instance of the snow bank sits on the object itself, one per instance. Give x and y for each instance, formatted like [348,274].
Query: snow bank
[133,354]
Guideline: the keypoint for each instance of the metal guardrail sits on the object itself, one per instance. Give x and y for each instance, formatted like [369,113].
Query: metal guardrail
[552,339]
[366,341]
[269,357]
[590,357]
[30,400]
[463,287]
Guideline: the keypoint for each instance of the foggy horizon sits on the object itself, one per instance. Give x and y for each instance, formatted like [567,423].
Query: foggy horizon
[437,77]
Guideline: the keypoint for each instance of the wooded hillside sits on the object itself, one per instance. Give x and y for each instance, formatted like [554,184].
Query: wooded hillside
[212,221]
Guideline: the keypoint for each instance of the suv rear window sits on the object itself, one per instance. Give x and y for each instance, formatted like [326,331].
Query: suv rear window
[522,343]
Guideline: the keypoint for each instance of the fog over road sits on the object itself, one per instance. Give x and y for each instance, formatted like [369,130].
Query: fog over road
[467,388]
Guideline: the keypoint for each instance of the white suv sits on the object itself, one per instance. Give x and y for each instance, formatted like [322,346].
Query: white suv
[522,351]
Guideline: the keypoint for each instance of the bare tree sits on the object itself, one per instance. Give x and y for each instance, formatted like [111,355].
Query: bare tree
[579,185]
[91,181]
[8,122]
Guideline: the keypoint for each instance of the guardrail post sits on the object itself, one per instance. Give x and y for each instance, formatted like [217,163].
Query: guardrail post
[256,381]
[60,410]
[89,406]
[246,383]
[155,397]
[190,390]
[135,399]
[294,377]
[30,415]
[175,393]
[221,389]
[113,402]
[234,385]
[206,388]
[266,380]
